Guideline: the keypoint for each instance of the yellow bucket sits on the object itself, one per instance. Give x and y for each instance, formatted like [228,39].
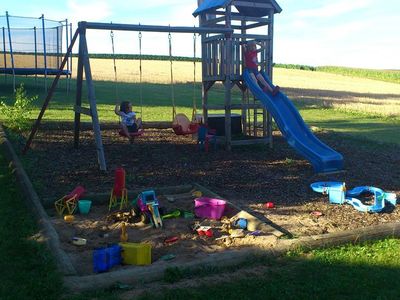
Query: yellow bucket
[136,253]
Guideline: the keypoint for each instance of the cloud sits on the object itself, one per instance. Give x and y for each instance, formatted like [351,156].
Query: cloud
[334,9]
[89,10]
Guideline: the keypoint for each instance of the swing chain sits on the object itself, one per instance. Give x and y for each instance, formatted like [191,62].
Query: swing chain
[172,75]
[140,75]
[194,112]
[115,65]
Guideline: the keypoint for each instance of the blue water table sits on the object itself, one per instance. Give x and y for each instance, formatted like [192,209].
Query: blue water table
[338,194]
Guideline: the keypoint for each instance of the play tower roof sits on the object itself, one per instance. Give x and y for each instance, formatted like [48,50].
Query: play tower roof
[251,8]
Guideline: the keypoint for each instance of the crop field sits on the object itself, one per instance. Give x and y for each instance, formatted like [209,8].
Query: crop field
[310,88]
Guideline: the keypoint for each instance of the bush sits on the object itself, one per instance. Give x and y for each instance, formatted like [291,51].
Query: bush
[17,116]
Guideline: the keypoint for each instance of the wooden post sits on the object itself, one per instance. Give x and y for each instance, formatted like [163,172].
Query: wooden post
[204,96]
[204,92]
[244,91]
[79,82]
[264,54]
[93,107]
[227,82]
[269,71]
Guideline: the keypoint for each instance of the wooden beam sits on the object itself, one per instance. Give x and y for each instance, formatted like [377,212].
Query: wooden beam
[208,85]
[213,21]
[239,17]
[235,106]
[152,28]
[93,107]
[213,38]
[255,25]
[252,4]
[252,36]
[78,96]
[49,95]
[251,141]
[227,83]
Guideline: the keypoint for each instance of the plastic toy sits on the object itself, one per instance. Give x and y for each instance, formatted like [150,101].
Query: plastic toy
[136,253]
[119,193]
[79,241]
[174,214]
[171,240]
[269,205]
[241,223]
[105,258]
[124,234]
[338,194]
[70,201]
[84,206]
[209,208]
[69,218]
[149,207]
[167,257]
[206,136]
[205,230]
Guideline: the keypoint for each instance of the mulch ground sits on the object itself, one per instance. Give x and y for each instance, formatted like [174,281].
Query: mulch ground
[248,176]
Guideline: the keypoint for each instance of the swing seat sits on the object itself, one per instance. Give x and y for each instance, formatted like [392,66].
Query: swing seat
[182,126]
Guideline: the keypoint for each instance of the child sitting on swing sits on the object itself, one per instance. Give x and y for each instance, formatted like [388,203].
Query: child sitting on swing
[129,122]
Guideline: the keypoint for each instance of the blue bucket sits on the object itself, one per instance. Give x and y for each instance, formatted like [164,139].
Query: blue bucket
[84,206]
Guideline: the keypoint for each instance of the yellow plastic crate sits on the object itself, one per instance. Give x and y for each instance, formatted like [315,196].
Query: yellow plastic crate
[136,253]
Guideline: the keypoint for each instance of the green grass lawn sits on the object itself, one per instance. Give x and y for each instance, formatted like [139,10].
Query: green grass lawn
[27,269]
[356,125]
[367,271]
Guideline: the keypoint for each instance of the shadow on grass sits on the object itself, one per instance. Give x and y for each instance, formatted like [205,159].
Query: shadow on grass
[27,270]
[296,276]
[301,279]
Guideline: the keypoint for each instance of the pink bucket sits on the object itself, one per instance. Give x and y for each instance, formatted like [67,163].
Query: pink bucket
[209,208]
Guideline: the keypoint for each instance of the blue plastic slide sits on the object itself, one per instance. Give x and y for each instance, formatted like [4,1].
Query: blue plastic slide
[323,158]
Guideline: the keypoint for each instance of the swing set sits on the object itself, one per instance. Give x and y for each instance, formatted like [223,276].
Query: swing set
[180,124]
[140,131]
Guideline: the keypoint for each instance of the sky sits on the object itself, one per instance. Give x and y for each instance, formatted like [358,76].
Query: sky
[356,33]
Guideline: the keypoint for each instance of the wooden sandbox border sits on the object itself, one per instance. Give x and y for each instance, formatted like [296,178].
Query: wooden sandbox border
[141,274]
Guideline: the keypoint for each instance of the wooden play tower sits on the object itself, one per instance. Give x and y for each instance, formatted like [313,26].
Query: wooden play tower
[222,62]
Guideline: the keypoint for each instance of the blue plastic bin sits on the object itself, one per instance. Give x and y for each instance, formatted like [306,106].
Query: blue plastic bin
[105,258]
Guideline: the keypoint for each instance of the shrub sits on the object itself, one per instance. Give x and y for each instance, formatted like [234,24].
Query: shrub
[17,116]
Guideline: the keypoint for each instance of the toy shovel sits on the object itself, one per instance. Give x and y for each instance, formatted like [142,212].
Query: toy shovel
[174,214]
